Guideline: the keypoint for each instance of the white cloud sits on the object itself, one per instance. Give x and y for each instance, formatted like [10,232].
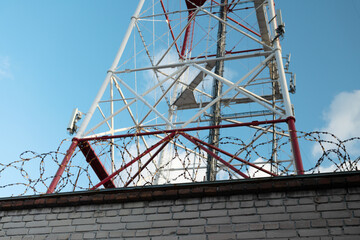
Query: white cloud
[255,173]
[343,120]
[343,116]
[5,72]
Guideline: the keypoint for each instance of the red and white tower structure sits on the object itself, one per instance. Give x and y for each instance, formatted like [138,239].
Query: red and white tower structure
[197,91]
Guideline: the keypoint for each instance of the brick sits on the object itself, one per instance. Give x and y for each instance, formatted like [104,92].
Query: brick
[318,223]
[60,223]
[291,202]
[219,220]
[281,234]
[39,217]
[334,222]
[157,217]
[37,224]
[78,236]
[63,216]
[186,215]
[313,232]
[137,211]
[241,227]
[63,229]
[168,238]
[17,219]
[352,221]
[42,230]
[355,190]
[350,198]
[75,215]
[28,218]
[305,216]
[192,237]
[251,235]
[335,214]
[353,205]
[212,229]
[336,198]
[108,220]
[133,218]
[262,203]
[14,225]
[163,209]
[124,212]
[111,213]
[247,204]
[178,208]
[222,236]
[306,200]
[112,226]
[352,230]
[331,206]
[138,225]
[183,231]
[300,208]
[336,231]
[242,211]
[128,233]
[102,235]
[142,233]
[161,203]
[226,228]
[119,234]
[98,214]
[231,205]
[160,224]
[302,224]
[87,214]
[85,221]
[169,231]
[246,219]
[271,226]
[89,235]
[192,222]
[213,213]
[5,219]
[86,228]
[51,216]
[195,230]
[256,226]
[267,210]
[16,231]
[275,217]
[276,202]
[220,205]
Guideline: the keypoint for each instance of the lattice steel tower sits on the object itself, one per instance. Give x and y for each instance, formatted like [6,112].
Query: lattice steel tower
[197,91]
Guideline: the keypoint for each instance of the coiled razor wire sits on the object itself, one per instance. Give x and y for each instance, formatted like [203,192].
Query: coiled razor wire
[33,172]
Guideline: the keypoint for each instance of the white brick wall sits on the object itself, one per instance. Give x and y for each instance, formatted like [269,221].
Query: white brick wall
[332,213]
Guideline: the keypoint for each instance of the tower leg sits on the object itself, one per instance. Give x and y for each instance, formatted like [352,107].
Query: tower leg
[61,169]
[295,146]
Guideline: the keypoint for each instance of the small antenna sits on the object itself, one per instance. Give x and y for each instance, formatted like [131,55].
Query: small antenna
[75,117]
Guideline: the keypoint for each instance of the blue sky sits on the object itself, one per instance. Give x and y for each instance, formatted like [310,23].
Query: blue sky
[54,56]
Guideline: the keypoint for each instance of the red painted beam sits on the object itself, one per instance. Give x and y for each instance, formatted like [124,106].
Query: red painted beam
[295,146]
[95,163]
[253,123]
[62,166]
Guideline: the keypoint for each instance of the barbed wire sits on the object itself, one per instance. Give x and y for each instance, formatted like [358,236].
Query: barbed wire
[179,161]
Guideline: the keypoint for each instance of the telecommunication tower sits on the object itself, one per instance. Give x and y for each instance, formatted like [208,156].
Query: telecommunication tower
[197,91]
